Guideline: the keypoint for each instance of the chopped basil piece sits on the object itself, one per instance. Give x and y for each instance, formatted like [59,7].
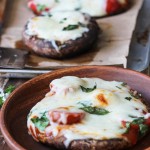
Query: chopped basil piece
[94,110]
[78,8]
[70,27]
[143,128]
[49,15]
[41,7]
[41,123]
[138,121]
[87,90]
[1,102]
[62,21]
[124,84]
[127,126]
[5,94]
[81,24]
[9,89]
[128,98]
[57,1]
[133,116]
[118,87]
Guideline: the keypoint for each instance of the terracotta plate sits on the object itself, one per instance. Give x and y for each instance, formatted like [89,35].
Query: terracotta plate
[15,110]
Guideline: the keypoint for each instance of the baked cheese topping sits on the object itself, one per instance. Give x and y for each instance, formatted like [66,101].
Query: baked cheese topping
[92,7]
[58,26]
[102,107]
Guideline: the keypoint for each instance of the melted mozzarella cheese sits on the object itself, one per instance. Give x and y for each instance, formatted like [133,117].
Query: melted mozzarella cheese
[47,3]
[51,28]
[92,7]
[109,95]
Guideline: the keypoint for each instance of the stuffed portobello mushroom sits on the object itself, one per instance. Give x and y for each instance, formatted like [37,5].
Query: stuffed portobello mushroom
[60,35]
[95,8]
[89,114]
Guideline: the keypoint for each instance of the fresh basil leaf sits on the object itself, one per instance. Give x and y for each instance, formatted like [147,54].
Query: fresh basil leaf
[1,102]
[6,92]
[81,24]
[127,126]
[49,15]
[62,21]
[132,116]
[118,87]
[94,110]
[41,123]
[9,89]
[128,98]
[77,9]
[123,84]
[70,27]
[138,121]
[143,129]
[41,7]
[87,90]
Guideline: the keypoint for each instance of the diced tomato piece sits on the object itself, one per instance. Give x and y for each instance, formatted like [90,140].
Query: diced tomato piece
[132,134]
[46,9]
[147,121]
[123,123]
[144,112]
[33,7]
[114,6]
[66,118]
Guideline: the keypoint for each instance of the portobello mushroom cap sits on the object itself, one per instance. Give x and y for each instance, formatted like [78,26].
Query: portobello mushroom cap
[87,144]
[68,48]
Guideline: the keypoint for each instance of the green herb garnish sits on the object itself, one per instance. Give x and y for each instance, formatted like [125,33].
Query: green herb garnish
[5,94]
[9,89]
[128,98]
[41,7]
[49,15]
[132,116]
[94,110]
[81,24]
[87,90]
[70,27]
[62,21]
[78,8]
[138,121]
[118,87]
[41,123]
[124,84]
[57,1]
[1,102]
[143,128]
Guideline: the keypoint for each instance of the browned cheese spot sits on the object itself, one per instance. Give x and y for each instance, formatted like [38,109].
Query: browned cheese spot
[103,101]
